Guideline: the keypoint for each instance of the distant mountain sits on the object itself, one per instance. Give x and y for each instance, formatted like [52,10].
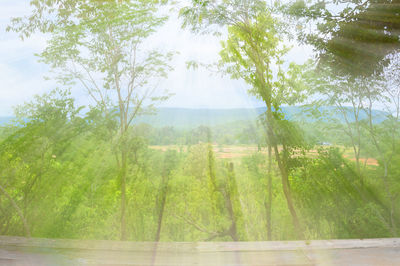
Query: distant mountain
[5,119]
[184,117]
[189,118]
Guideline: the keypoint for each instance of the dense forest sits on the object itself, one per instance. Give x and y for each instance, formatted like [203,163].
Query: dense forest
[320,160]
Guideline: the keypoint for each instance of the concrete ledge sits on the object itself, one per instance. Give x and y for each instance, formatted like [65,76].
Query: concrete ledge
[198,246]
[40,251]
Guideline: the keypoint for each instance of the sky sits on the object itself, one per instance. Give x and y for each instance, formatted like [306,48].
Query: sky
[22,76]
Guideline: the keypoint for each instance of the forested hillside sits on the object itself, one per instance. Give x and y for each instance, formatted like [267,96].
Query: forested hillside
[186,118]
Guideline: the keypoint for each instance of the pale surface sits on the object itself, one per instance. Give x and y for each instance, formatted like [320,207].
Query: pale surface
[23,251]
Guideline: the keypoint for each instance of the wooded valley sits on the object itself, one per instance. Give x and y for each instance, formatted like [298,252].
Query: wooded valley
[319,160]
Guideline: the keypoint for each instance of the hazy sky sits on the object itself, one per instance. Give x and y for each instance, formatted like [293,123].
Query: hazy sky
[22,76]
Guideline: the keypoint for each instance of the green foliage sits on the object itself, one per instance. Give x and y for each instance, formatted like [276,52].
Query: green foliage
[249,53]
[68,189]
[352,37]
[100,45]
[331,193]
[65,173]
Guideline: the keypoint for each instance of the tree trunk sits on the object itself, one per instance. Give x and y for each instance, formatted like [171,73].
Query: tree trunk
[123,194]
[229,198]
[288,194]
[21,216]
[269,201]
[212,186]
[164,190]
[233,228]
[284,175]
[391,198]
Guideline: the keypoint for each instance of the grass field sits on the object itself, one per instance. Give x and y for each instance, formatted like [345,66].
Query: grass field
[239,151]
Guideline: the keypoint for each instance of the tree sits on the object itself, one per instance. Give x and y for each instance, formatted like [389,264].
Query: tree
[233,206]
[170,161]
[354,37]
[46,129]
[347,95]
[330,193]
[18,210]
[251,51]
[385,136]
[101,45]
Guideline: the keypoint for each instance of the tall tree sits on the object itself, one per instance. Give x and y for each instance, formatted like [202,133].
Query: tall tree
[102,46]
[347,95]
[251,51]
[385,136]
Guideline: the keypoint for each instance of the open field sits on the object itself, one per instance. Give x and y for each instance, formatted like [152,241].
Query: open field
[240,151]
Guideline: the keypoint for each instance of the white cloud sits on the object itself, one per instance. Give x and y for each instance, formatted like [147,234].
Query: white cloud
[22,76]
[16,88]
